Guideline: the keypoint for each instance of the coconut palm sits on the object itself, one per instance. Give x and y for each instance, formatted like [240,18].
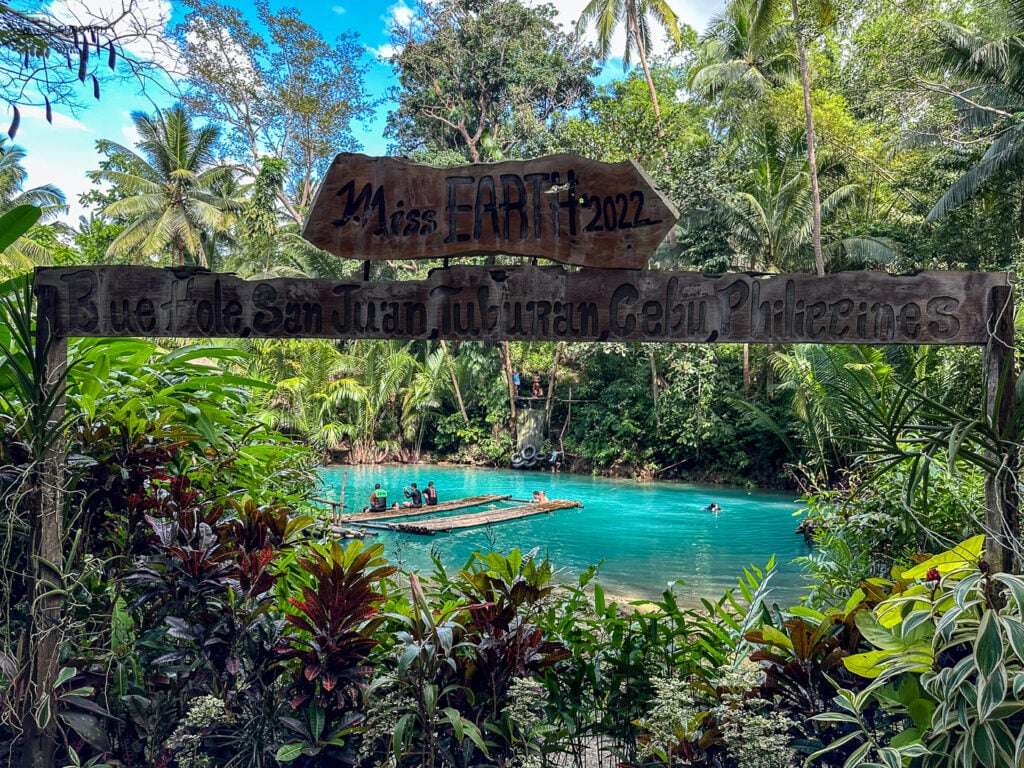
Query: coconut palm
[369,393]
[739,53]
[25,252]
[743,48]
[990,71]
[635,16]
[170,184]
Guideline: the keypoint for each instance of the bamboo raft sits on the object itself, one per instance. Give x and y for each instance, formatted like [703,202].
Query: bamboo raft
[445,524]
[444,506]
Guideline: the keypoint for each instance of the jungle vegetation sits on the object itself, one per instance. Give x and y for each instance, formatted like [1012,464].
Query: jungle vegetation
[193,609]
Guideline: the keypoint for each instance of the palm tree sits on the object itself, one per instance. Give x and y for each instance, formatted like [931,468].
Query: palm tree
[743,48]
[738,54]
[25,252]
[771,216]
[171,182]
[635,16]
[990,95]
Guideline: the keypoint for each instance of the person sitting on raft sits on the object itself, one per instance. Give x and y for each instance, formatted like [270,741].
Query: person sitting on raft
[431,494]
[415,496]
[378,500]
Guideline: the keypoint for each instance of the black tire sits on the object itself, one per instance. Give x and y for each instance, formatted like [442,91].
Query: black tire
[517,463]
[517,456]
[529,452]
[530,464]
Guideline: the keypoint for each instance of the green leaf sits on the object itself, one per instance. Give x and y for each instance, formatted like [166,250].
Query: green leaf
[43,713]
[984,745]
[965,554]
[1015,634]
[774,636]
[921,711]
[288,752]
[16,222]
[869,665]
[876,634]
[991,692]
[988,647]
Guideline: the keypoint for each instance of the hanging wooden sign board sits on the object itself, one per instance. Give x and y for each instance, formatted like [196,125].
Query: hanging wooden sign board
[561,207]
[530,303]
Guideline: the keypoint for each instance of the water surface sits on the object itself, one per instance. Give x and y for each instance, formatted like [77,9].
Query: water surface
[648,535]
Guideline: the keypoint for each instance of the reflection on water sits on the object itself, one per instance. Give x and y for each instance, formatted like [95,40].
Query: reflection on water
[645,536]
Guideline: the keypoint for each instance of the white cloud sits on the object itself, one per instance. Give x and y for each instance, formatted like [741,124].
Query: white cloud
[129,131]
[338,9]
[398,14]
[141,26]
[383,52]
[60,120]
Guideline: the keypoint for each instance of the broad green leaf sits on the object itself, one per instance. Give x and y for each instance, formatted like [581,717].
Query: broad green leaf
[988,646]
[991,692]
[1015,634]
[773,635]
[16,222]
[869,665]
[921,711]
[876,634]
[965,554]
[984,745]
[288,752]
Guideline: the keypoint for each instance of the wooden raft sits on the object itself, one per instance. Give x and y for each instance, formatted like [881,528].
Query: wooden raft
[444,524]
[444,506]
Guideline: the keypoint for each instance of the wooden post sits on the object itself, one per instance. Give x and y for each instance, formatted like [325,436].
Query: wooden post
[1002,524]
[47,536]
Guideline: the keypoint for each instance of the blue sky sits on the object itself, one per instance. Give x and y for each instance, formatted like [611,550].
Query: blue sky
[62,153]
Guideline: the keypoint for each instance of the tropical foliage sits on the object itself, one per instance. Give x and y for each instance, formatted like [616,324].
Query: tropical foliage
[175,600]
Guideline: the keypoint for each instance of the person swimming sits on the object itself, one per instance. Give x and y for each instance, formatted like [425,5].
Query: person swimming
[713,507]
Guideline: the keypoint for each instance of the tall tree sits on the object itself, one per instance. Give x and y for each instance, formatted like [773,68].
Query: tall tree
[25,252]
[283,91]
[170,181]
[58,54]
[739,56]
[635,16]
[481,78]
[985,77]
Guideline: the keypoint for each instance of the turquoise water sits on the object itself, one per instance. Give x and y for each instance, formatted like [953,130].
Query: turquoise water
[647,534]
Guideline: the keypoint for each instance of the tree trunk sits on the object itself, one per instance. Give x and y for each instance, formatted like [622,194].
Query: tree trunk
[812,163]
[506,361]
[455,383]
[654,383]
[47,535]
[746,369]
[551,387]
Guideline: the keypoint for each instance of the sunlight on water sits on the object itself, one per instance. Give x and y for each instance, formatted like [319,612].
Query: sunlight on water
[647,534]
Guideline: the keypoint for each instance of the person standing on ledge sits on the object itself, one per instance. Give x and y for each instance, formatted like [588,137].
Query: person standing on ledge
[515,382]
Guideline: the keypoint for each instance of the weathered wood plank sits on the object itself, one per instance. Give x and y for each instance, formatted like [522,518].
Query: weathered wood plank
[444,506]
[532,303]
[476,519]
[561,207]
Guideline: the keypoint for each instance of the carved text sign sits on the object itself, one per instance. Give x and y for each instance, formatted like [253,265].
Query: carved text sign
[560,207]
[530,303]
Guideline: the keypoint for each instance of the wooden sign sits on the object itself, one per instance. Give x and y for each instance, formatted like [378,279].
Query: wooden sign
[560,207]
[530,303]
